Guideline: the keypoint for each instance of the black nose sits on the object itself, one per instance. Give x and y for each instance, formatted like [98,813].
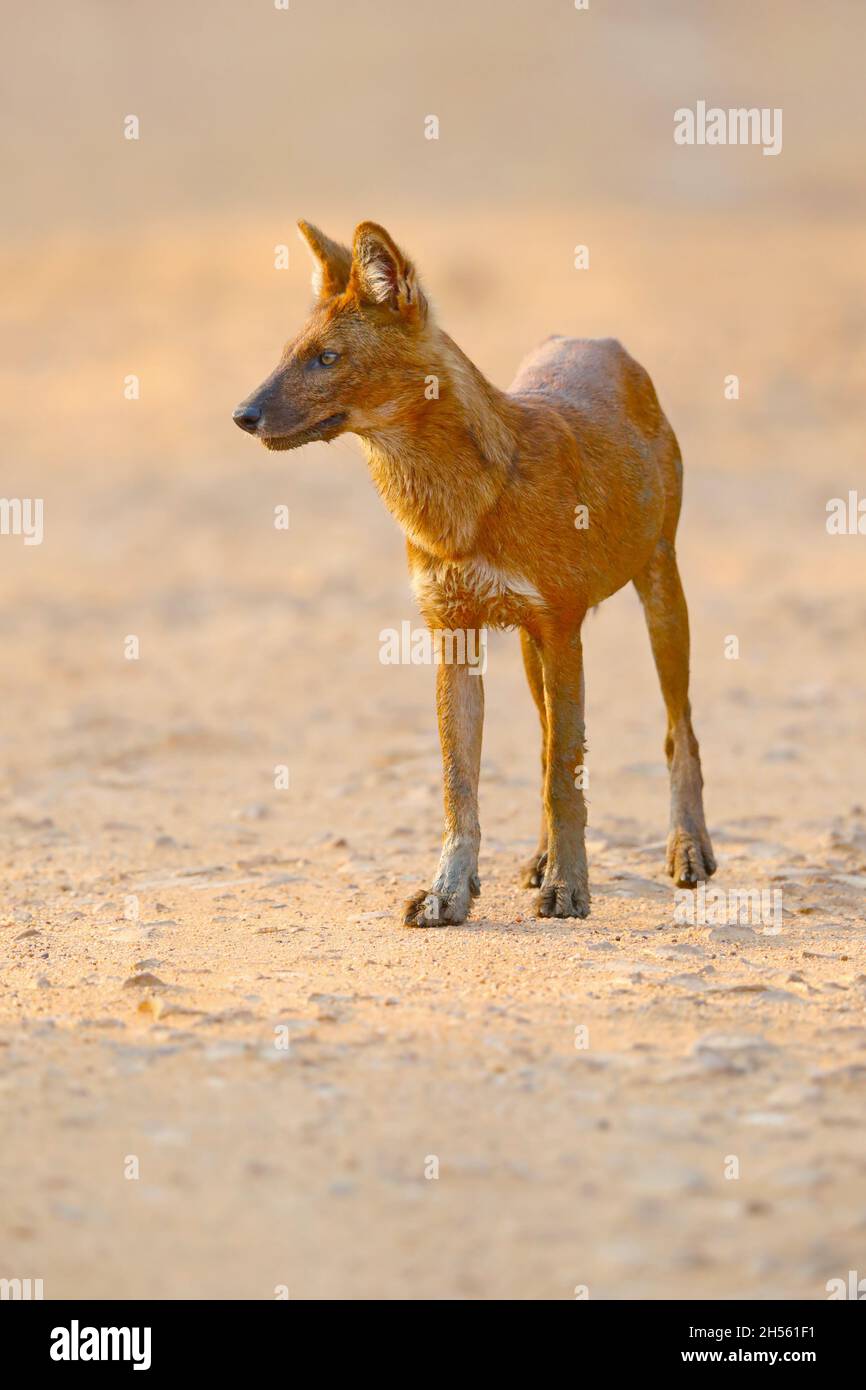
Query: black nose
[247,416]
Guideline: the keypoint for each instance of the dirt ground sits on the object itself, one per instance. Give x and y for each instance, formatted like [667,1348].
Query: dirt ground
[225,1070]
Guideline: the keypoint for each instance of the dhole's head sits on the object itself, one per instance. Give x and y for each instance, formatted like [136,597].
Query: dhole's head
[357,362]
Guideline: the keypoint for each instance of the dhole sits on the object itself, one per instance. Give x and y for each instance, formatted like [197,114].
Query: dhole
[486,485]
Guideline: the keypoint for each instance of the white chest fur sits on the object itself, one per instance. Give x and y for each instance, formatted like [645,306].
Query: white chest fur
[474,592]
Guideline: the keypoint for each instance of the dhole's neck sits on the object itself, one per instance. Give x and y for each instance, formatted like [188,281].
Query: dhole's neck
[442,461]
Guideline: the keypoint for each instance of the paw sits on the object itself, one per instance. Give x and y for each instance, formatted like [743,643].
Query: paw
[532,873]
[690,858]
[434,907]
[561,899]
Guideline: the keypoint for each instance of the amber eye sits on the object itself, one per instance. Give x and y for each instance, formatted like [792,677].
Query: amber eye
[328,358]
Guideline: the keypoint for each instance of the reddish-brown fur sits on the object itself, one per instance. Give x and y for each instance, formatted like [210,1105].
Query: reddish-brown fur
[487,485]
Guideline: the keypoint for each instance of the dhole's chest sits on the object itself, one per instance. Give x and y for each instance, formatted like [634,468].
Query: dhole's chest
[473,593]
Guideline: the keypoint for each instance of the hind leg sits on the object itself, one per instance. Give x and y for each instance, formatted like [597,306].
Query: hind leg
[564,887]
[690,853]
[532,872]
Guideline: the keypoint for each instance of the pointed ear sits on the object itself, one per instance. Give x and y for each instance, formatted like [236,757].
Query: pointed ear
[381,274]
[331,261]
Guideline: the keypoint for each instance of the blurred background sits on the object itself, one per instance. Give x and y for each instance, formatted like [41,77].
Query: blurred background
[155,257]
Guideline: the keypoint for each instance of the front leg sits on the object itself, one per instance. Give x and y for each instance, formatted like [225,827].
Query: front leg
[460,710]
[565,886]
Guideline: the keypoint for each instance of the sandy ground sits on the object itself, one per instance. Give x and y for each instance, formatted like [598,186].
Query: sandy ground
[169,919]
